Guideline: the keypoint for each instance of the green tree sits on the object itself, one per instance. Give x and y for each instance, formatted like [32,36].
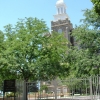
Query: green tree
[96,4]
[32,52]
[84,57]
[3,61]
[91,19]
[44,87]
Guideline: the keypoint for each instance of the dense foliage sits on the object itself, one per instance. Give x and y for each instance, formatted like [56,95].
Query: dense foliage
[84,57]
[96,6]
[29,51]
[91,19]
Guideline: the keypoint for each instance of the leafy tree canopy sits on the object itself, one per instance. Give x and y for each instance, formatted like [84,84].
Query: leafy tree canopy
[84,57]
[31,52]
[96,6]
[91,19]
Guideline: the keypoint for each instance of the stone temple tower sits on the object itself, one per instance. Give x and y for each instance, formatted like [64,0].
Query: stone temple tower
[61,21]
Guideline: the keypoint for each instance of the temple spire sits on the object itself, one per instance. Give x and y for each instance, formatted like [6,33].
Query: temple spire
[61,10]
[61,7]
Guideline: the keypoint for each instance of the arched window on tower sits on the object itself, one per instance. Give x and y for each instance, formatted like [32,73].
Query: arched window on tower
[58,11]
[59,30]
[65,11]
[61,9]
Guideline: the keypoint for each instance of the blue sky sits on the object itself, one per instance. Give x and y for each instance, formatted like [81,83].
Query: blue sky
[11,10]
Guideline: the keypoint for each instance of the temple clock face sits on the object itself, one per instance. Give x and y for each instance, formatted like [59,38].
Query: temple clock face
[59,30]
